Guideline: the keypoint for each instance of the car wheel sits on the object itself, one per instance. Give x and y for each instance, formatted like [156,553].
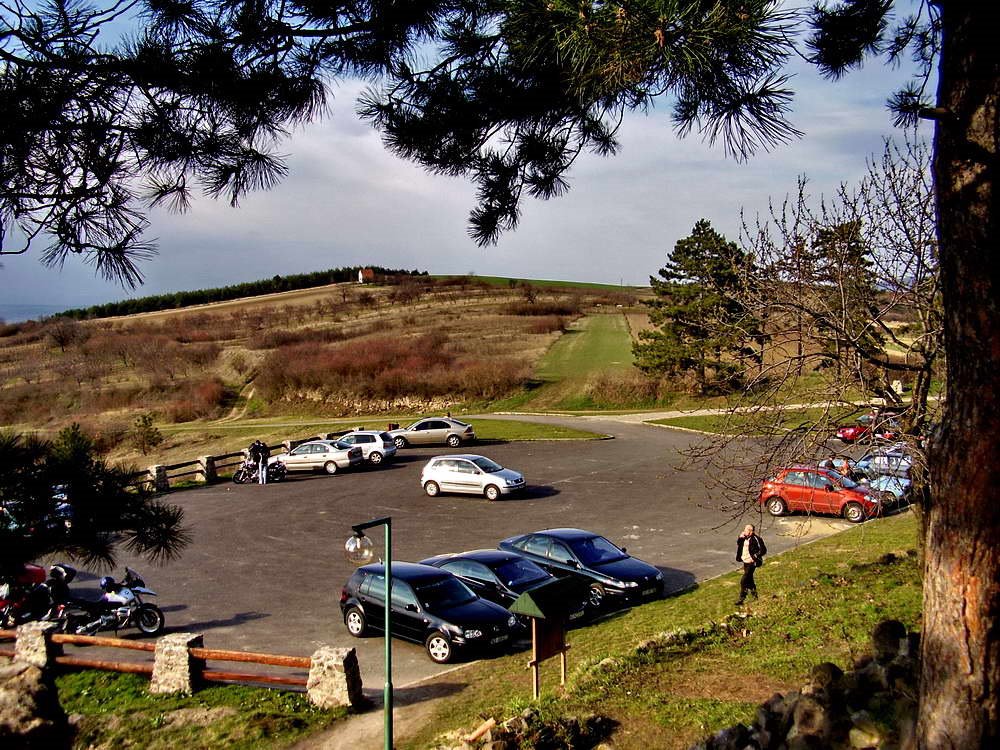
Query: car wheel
[355,621]
[438,648]
[854,513]
[375,458]
[399,442]
[595,599]
[492,492]
[776,506]
[432,489]
[454,441]
[330,467]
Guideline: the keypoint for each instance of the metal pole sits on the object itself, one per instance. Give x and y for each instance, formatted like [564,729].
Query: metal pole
[387,697]
[387,693]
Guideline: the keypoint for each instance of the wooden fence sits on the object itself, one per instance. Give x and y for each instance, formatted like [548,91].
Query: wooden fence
[332,672]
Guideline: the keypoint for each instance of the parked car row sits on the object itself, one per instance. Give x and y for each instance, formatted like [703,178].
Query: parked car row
[373,446]
[459,602]
[856,490]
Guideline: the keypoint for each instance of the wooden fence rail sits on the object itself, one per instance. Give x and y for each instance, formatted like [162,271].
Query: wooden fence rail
[334,676]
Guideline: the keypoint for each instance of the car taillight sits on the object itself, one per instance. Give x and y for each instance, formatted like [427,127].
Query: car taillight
[468,429]
[343,596]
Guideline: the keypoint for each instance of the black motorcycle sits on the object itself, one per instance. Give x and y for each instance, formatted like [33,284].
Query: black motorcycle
[248,472]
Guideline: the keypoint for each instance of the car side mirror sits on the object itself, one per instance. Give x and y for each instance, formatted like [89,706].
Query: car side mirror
[831,488]
[411,607]
[625,550]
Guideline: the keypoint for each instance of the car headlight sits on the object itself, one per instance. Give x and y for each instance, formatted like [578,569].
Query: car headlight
[510,482]
[512,621]
[473,633]
[630,585]
[659,576]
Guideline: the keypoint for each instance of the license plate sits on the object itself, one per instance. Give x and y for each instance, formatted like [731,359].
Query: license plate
[498,639]
[647,592]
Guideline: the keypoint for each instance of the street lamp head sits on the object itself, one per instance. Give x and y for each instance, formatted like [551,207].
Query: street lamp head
[359,549]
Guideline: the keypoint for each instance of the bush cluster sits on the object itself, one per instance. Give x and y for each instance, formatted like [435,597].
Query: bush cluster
[567,306]
[384,369]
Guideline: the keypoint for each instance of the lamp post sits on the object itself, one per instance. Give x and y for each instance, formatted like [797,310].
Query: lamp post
[360,551]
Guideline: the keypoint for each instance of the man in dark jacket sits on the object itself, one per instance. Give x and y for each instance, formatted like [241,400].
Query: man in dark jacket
[750,551]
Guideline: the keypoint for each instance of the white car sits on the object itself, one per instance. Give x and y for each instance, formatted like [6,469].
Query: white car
[320,454]
[376,446]
[469,474]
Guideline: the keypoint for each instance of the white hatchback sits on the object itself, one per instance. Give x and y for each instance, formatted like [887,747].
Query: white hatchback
[375,445]
[469,474]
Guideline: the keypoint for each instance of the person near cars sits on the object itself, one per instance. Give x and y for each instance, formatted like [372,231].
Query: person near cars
[259,453]
[750,551]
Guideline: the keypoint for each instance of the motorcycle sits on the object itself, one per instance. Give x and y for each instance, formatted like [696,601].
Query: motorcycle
[248,471]
[120,606]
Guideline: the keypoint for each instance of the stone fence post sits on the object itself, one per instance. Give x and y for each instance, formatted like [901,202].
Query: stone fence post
[208,469]
[334,678]
[174,669]
[158,478]
[34,644]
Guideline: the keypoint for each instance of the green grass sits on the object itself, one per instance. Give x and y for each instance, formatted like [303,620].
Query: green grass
[117,710]
[593,346]
[789,419]
[510,429]
[819,602]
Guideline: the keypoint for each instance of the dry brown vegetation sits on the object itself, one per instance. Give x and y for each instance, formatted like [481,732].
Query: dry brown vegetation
[421,345]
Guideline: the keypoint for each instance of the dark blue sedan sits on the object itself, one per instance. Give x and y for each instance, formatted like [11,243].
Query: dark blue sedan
[614,577]
[499,576]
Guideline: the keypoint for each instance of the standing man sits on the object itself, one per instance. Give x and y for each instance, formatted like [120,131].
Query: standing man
[265,453]
[750,551]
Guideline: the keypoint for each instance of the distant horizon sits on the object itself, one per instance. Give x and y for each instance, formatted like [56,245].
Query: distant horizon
[22,312]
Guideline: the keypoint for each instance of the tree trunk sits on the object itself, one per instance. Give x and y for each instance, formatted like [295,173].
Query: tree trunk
[960,682]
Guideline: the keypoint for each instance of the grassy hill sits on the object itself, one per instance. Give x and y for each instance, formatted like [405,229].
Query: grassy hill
[325,356]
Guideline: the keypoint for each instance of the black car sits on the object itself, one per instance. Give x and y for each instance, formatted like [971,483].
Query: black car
[429,606]
[499,576]
[607,570]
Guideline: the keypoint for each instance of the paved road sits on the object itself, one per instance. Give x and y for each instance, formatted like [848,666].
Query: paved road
[265,568]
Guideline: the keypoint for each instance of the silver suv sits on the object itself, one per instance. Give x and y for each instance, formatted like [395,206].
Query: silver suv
[469,474]
[434,431]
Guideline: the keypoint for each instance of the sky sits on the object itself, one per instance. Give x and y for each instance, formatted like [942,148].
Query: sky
[347,201]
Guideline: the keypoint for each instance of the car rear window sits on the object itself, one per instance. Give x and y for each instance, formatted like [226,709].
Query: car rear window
[386,437]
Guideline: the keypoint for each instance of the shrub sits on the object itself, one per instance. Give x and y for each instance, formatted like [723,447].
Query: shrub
[144,434]
[569,306]
[273,339]
[546,324]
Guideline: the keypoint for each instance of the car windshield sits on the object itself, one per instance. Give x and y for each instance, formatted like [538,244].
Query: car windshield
[487,465]
[520,573]
[444,594]
[596,550]
[840,479]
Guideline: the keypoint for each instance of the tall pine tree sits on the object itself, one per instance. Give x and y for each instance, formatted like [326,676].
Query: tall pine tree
[700,323]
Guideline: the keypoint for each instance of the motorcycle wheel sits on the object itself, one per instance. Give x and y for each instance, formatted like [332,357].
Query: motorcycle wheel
[240,476]
[149,619]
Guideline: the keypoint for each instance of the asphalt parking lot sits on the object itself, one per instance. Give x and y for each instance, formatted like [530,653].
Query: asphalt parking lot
[265,567]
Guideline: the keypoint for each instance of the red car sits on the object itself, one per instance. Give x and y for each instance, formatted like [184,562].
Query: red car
[815,490]
[869,427]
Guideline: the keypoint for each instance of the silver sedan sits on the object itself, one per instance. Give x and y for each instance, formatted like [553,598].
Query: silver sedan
[321,454]
[469,474]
